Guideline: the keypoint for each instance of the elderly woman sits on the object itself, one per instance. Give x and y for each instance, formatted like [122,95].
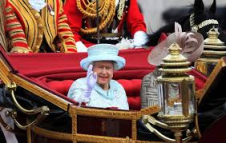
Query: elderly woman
[98,89]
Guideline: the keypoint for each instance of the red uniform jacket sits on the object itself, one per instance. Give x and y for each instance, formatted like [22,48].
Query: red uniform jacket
[52,27]
[133,16]
[13,31]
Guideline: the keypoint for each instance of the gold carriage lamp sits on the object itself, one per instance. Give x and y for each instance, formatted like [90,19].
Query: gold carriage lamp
[214,49]
[176,91]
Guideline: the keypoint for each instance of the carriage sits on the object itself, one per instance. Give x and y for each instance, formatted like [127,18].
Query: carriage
[37,90]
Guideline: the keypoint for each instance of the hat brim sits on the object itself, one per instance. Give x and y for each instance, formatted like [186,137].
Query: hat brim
[119,61]
[158,53]
[161,50]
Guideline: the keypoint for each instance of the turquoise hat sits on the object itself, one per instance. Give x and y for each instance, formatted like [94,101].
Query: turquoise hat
[103,52]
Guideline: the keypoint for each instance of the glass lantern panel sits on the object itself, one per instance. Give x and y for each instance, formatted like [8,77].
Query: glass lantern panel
[191,95]
[173,99]
[173,96]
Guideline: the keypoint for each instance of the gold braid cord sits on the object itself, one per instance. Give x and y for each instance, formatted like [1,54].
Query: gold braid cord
[2,24]
[106,13]
[121,9]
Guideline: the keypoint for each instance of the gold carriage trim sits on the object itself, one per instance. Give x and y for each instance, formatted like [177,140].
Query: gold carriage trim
[61,103]
[134,115]
[211,78]
[131,116]
[4,70]
[211,53]
[87,138]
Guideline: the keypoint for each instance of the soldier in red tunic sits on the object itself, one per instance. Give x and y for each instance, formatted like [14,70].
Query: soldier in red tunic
[117,19]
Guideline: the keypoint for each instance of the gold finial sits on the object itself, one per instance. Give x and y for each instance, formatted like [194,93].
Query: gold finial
[174,49]
[213,33]
[214,47]
[175,62]
[212,39]
[174,54]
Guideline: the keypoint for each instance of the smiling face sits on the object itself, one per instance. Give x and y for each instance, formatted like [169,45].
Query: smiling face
[104,70]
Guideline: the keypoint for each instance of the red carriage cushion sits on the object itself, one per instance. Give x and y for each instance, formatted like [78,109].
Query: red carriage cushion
[61,86]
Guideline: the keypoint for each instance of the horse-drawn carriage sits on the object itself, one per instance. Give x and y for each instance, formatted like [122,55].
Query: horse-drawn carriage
[37,90]
[35,87]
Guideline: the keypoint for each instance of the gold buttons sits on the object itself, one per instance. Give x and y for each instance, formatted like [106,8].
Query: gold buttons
[37,15]
[36,47]
[40,36]
[26,51]
[40,26]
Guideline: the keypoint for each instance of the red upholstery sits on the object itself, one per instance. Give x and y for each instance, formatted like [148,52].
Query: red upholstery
[132,88]
[61,86]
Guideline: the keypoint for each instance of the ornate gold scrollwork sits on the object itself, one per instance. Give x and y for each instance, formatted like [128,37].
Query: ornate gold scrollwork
[148,120]
[42,111]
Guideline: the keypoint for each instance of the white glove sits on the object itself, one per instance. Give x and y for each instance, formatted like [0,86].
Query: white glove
[81,47]
[140,38]
[37,4]
[91,80]
[125,44]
